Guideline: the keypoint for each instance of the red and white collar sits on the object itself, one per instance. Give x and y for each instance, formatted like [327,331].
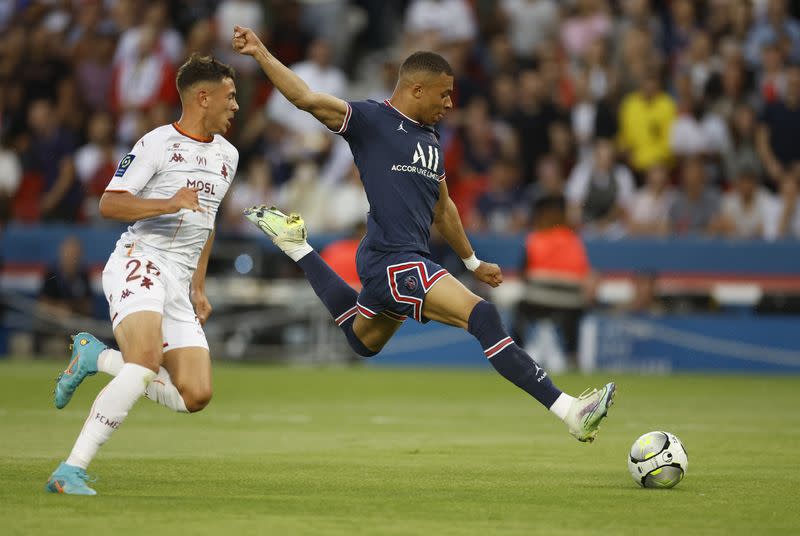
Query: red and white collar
[388,103]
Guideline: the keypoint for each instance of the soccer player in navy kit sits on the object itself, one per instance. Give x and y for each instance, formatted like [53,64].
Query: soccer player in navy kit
[400,161]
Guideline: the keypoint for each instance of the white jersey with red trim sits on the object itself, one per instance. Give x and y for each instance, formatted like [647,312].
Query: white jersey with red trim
[162,162]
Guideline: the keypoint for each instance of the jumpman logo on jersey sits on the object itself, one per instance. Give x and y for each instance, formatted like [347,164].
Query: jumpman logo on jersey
[401,129]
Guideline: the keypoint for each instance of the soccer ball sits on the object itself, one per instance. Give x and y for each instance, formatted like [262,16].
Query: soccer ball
[658,460]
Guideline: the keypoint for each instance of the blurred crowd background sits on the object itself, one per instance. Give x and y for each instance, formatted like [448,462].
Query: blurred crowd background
[651,118]
[582,129]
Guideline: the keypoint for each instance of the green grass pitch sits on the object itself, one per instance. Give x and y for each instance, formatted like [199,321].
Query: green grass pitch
[402,451]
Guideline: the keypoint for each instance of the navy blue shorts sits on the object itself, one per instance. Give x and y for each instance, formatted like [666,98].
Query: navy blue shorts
[394,284]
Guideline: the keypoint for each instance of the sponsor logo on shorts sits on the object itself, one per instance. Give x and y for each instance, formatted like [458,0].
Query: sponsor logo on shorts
[146,282]
[125,294]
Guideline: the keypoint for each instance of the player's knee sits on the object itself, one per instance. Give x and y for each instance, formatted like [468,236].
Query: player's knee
[484,316]
[196,398]
[363,351]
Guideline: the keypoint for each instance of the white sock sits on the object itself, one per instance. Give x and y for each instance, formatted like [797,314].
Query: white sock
[163,391]
[110,361]
[298,252]
[108,411]
[160,390]
[561,406]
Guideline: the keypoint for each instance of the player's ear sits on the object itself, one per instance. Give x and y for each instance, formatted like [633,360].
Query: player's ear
[202,97]
[416,90]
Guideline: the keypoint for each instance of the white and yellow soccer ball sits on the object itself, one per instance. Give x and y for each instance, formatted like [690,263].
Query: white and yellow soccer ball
[658,460]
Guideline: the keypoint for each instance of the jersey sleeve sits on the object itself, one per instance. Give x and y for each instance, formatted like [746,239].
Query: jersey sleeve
[137,167]
[357,120]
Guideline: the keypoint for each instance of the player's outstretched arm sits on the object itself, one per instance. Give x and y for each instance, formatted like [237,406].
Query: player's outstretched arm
[448,222]
[328,109]
[124,206]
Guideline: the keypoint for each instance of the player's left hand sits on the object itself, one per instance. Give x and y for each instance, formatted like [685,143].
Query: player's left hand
[489,273]
[202,307]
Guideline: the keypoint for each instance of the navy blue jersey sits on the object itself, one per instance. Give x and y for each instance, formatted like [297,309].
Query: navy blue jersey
[401,166]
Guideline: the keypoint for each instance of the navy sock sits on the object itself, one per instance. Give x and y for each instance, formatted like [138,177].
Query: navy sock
[511,361]
[339,297]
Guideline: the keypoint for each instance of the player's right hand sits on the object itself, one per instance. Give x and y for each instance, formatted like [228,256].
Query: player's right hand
[245,41]
[186,198]
[489,273]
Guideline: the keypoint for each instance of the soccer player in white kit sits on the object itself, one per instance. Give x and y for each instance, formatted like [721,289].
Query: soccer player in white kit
[171,185]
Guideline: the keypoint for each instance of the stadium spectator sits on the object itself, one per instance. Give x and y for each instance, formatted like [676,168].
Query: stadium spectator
[94,71]
[772,77]
[745,209]
[599,191]
[500,208]
[588,22]
[562,144]
[66,290]
[167,42]
[141,81]
[10,177]
[636,55]
[638,14]
[96,161]
[645,123]
[731,87]
[699,63]
[779,129]
[51,154]
[549,181]
[651,205]
[434,23]
[600,77]
[532,122]
[476,143]
[681,26]
[592,117]
[320,75]
[348,205]
[256,184]
[200,38]
[783,221]
[742,151]
[39,64]
[530,23]
[229,13]
[698,131]
[696,204]
[503,98]
[777,27]
[556,273]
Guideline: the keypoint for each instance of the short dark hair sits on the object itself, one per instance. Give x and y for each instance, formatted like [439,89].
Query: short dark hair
[425,61]
[201,69]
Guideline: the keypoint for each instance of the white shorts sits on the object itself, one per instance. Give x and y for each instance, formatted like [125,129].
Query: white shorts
[134,281]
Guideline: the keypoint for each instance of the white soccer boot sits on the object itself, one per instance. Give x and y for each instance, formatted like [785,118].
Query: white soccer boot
[287,232]
[585,413]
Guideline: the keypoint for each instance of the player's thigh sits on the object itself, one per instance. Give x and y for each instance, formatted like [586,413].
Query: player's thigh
[190,371]
[449,302]
[140,340]
[375,332]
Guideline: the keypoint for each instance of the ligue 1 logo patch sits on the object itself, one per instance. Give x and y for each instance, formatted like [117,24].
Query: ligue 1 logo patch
[124,164]
[410,283]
